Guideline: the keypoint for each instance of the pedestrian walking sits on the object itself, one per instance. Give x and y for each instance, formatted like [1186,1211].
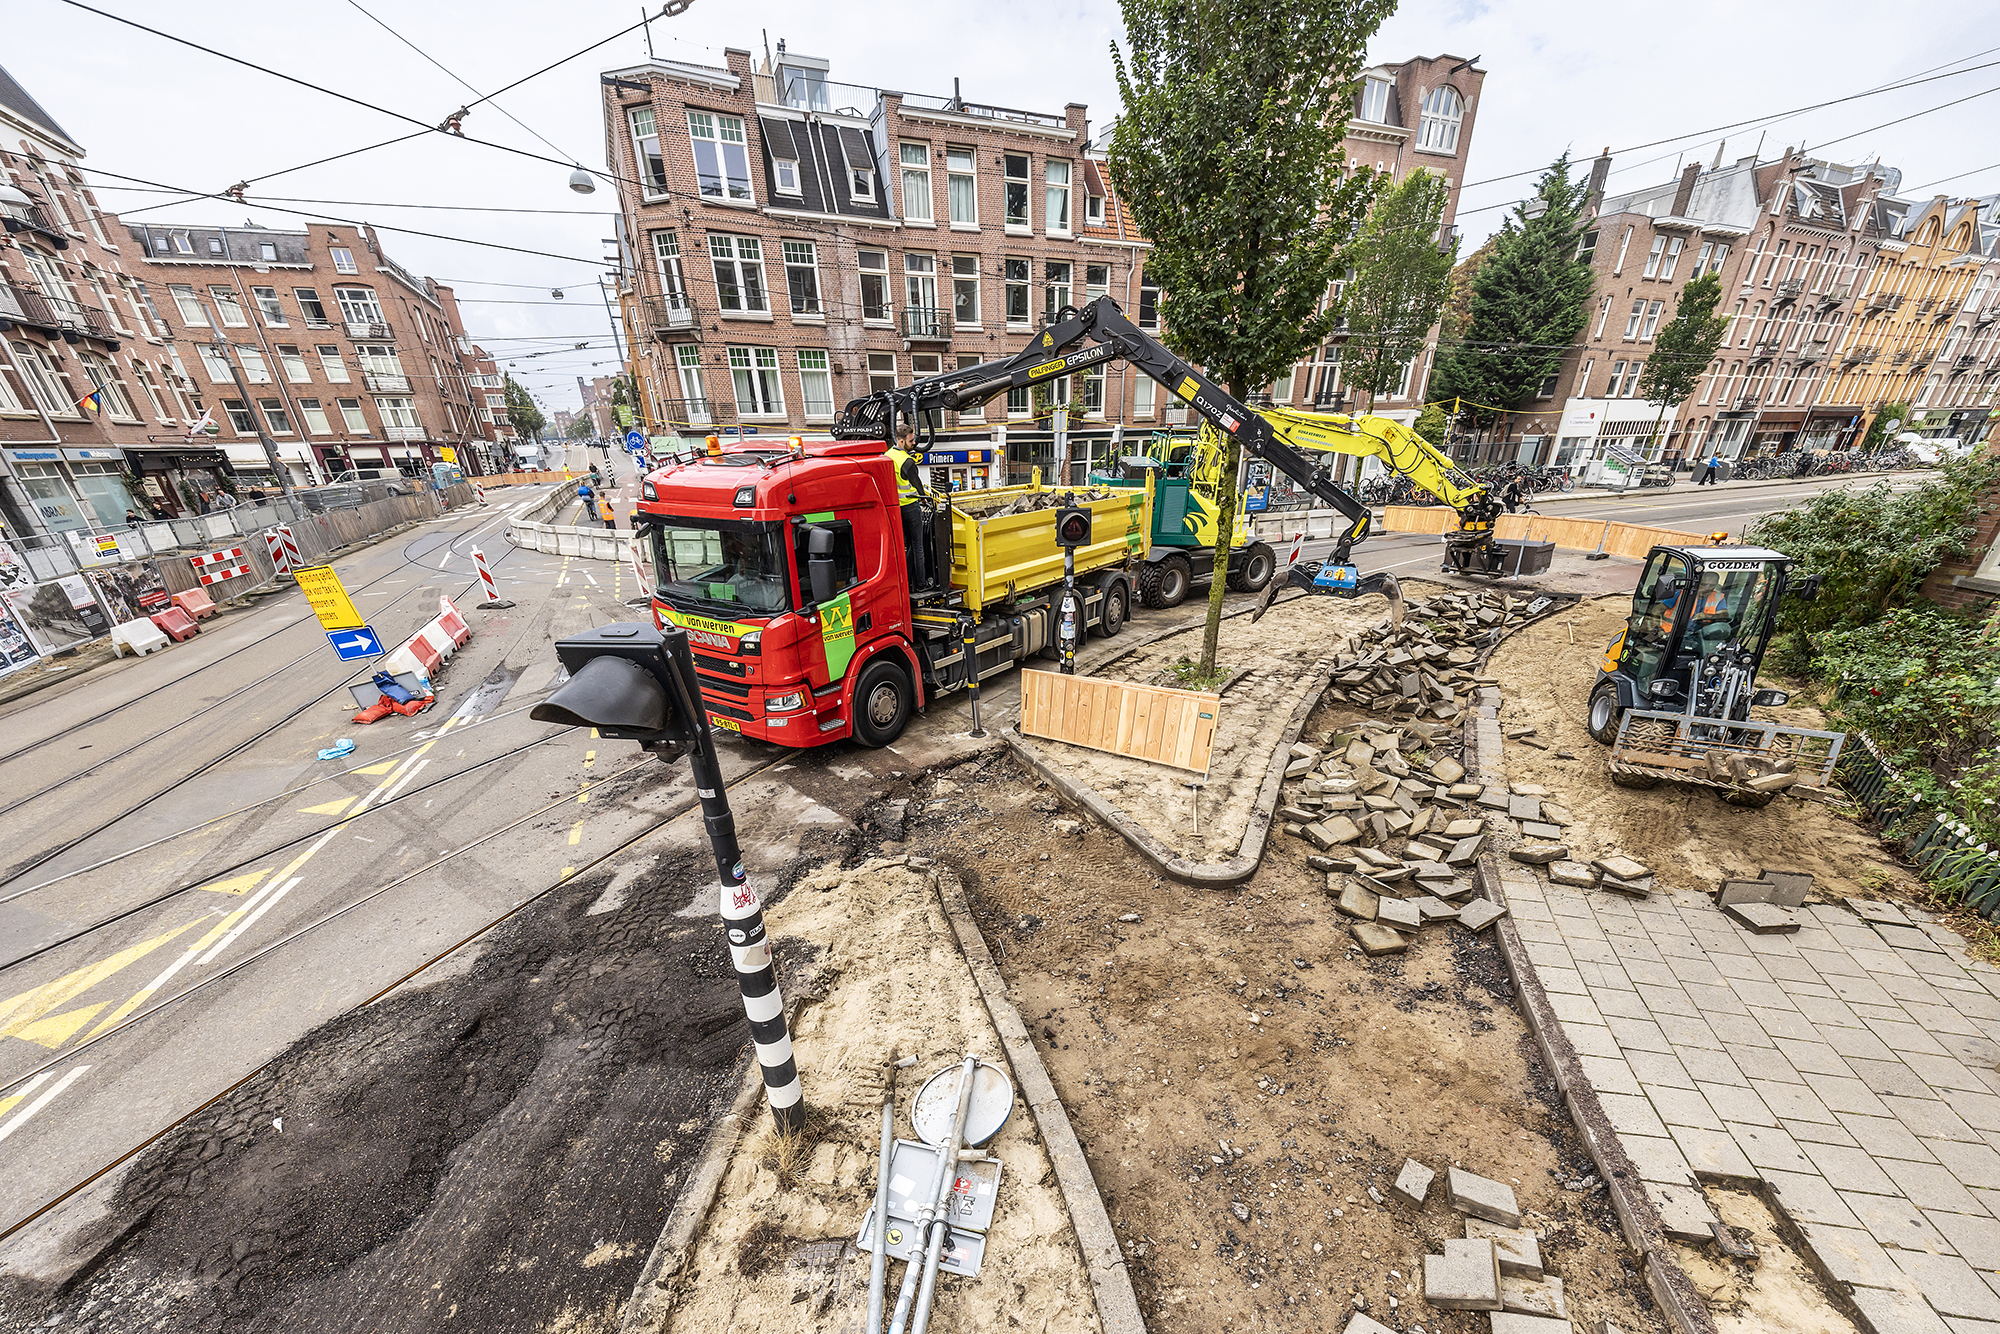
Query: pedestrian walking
[1714,471]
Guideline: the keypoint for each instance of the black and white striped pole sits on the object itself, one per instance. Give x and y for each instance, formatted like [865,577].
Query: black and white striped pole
[742,913]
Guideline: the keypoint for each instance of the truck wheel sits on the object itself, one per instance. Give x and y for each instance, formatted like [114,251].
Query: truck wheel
[1259,563]
[882,700]
[1602,722]
[1112,611]
[1164,583]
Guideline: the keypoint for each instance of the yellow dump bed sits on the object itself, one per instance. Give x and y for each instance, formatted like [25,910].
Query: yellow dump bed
[995,554]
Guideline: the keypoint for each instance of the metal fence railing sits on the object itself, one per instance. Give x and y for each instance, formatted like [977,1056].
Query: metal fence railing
[1946,850]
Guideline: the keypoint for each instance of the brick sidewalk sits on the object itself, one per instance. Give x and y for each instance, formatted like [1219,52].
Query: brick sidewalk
[1848,1067]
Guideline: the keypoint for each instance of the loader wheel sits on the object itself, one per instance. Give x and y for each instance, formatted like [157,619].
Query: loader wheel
[1602,720]
[1751,800]
[1621,778]
[1164,583]
[1259,563]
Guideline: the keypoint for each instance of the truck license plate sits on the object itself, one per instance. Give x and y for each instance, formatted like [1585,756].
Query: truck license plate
[727,724]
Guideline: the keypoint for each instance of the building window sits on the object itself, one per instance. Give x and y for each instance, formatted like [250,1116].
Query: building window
[331,365]
[351,415]
[1653,256]
[785,176]
[182,244]
[1096,281]
[874,266]
[193,314]
[104,377]
[255,369]
[275,415]
[916,159]
[216,362]
[1701,258]
[1617,379]
[1149,306]
[343,260]
[1055,214]
[267,252]
[1715,260]
[687,363]
[965,291]
[881,371]
[146,382]
[755,372]
[1443,111]
[673,282]
[1093,209]
[862,184]
[721,162]
[1142,396]
[294,364]
[802,277]
[1092,382]
[214,242]
[1055,289]
[309,304]
[240,419]
[399,414]
[739,272]
[1018,403]
[1015,168]
[1018,271]
[315,416]
[358,305]
[815,382]
[1632,378]
[267,305]
[646,151]
[1652,320]
[962,186]
[1586,247]
[1375,101]
[1633,320]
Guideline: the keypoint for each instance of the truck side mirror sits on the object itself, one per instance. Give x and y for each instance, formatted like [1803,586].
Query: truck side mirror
[819,563]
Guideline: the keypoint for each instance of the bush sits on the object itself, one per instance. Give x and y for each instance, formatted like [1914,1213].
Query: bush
[1924,684]
[1873,547]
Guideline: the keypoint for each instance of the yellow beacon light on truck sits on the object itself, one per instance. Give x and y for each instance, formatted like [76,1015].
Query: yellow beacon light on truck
[715,446]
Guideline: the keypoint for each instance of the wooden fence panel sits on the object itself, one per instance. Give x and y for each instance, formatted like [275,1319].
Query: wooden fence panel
[1419,519]
[1634,540]
[1570,534]
[1171,727]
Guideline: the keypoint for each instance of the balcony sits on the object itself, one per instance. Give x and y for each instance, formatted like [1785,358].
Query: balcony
[1813,351]
[1966,362]
[1834,296]
[36,309]
[369,331]
[1790,288]
[1899,356]
[403,432]
[1765,349]
[696,412]
[669,314]
[378,383]
[32,217]
[1988,315]
[1893,301]
[1745,403]
[1860,353]
[1927,305]
[926,324]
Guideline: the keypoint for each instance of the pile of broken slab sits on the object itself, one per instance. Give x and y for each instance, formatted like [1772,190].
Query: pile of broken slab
[1765,906]
[1425,667]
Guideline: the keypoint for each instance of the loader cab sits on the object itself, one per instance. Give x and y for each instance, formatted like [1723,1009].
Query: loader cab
[1693,605]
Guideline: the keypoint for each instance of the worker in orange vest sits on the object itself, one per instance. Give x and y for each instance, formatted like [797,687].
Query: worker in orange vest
[604,511]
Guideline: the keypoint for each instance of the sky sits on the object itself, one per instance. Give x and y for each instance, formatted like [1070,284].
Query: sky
[1561,76]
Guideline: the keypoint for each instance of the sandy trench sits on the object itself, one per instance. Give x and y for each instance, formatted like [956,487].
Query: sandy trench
[1282,658]
[886,974]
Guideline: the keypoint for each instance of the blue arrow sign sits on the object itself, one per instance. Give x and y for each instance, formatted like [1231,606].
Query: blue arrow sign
[353,644]
[635,440]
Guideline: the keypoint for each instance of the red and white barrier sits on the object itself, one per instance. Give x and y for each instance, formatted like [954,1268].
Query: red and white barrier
[1298,545]
[426,650]
[479,493]
[215,566]
[639,569]
[493,599]
[283,548]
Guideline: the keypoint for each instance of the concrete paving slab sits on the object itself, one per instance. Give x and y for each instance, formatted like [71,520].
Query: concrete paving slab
[1764,919]
[1376,939]
[1684,1211]
[1513,1322]
[1895,1222]
[1904,1313]
[1518,1249]
[1975,1238]
[1399,912]
[1809,1199]
[1572,873]
[1770,1149]
[1482,1197]
[1358,1324]
[1465,1278]
[1532,1296]
[1659,1158]
[1480,914]
[1851,1256]
[1413,1182]
[1850,1169]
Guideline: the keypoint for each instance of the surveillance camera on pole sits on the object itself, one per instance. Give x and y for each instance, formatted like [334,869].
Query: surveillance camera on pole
[635,683]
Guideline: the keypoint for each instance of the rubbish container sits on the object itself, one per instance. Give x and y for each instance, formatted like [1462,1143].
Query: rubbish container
[1521,557]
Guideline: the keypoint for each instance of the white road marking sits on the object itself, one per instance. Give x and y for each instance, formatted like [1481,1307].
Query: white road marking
[251,920]
[412,772]
[21,1117]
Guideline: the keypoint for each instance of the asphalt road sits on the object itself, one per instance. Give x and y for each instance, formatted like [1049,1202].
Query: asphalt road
[188,892]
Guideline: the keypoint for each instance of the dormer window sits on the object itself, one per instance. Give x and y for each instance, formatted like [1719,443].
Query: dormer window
[785,176]
[1375,100]
[864,184]
[1093,210]
[1443,111]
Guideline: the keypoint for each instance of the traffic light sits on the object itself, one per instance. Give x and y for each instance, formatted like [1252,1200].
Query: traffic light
[1073,527]
[623,681]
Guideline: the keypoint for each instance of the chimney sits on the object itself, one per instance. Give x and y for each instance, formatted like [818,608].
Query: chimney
[1685,194]
[1598,171]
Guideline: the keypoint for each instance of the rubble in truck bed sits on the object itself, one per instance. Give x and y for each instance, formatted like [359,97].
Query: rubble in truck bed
[989,506]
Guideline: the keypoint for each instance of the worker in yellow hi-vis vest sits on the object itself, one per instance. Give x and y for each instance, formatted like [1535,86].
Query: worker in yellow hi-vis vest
[604,511]
[911,497]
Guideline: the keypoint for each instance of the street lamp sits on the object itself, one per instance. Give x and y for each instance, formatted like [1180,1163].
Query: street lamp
[580,181]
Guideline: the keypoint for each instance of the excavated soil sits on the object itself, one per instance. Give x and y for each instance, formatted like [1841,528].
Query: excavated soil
[1688,835]
[1273,665]
[776,1253]
[1244,1018]
[1778,1291]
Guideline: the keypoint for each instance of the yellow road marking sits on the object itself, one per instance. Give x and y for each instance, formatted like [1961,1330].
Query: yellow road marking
[18,1012]
[576,833]
[57,1029]
[328,807]
[375,770]
[241,884]
[568,871]
[590,756]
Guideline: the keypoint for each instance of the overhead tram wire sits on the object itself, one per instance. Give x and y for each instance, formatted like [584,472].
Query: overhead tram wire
[380,203]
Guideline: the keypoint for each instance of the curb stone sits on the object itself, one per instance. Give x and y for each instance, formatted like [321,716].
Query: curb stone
[1117,1304]
[1669,1284]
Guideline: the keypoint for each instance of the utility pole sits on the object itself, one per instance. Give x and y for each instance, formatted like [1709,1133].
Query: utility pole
[227,351]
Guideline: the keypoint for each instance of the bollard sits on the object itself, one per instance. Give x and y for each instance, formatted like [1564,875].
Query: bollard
[971,651]
[494,602]
[479,493]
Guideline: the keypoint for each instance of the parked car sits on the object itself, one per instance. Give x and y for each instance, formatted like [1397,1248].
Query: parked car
[399,484]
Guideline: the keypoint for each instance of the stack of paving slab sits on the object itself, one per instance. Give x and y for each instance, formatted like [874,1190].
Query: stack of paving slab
[1766,905]
[1423,668]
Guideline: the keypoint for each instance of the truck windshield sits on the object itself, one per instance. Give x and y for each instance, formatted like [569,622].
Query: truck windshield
[1731,604]
[729,567]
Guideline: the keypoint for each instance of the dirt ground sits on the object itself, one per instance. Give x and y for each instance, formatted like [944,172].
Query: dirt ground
[886,976]
[1688,835]
[1778,1292]
[1273,664]
[1241,1078]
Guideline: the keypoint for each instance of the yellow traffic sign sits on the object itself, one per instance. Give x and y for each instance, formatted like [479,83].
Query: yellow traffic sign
[336,610]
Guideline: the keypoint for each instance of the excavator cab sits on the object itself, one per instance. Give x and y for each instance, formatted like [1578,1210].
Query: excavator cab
[1676,686]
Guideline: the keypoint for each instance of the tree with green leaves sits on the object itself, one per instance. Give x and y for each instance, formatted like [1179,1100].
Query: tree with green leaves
[1399,280]
[1432,424]
[1529,300]
[1229,159]
[581,427]
[521,410]
[1684,348]
[1886,426]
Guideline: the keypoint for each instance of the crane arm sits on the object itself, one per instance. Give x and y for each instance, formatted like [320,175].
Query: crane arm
[1402,449]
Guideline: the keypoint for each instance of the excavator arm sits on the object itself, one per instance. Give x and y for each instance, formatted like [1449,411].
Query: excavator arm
[1403,450]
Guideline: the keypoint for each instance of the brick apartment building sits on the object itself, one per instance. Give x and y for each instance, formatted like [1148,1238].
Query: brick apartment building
[73,319]
[349,359]
[596,395]
[792,242]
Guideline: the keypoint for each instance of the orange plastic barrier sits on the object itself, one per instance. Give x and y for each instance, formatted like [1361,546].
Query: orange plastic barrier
[176,623]
[195,603]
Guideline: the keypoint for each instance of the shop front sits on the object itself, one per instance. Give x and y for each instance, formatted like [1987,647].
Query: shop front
[1775,433]
[177,480]
[71,489]
[1830,428]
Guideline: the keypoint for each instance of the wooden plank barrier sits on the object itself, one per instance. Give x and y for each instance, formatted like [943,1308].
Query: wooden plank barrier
[1419,519]
[1172,727]
[1633,540]
[1570,534]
